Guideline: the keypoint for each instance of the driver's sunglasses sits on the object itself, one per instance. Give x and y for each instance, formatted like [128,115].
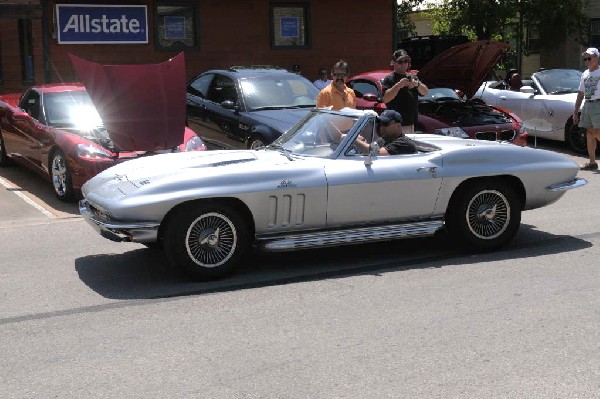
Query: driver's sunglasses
[340,75]
[587,59]
[404,61]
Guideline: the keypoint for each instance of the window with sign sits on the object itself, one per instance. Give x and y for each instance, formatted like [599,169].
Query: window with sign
[176,26]
[289,25]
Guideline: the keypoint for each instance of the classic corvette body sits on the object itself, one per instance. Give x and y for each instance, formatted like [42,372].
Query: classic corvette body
[545,103]
[312,187]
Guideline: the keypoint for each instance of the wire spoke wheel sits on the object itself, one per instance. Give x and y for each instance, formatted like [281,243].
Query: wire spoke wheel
[211,240]
[488,214]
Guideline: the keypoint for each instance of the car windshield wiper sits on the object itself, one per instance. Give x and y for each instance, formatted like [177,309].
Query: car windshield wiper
[567,91]
[284,151]
[269,107]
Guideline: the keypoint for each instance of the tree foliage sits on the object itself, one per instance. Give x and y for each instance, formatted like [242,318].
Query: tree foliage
[487,19]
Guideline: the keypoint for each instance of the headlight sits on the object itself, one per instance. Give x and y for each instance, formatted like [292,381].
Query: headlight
[452,132]
[90,151]
[195,143]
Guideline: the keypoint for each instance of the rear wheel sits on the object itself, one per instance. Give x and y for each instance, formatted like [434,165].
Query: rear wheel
[484,215]
[206,240]
[4,160]
[575,137]
[60,175]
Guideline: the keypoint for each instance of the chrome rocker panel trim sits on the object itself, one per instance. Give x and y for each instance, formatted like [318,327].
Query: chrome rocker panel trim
[120,232]
[349,236]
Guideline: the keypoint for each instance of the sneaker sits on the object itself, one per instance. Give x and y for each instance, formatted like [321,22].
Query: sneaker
[590,166]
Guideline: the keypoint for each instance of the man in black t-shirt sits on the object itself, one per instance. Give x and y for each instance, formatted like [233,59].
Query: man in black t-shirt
[392,141]
[401,90]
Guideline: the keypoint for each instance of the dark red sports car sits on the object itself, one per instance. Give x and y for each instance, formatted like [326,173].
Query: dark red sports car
[59,132]
[442,111]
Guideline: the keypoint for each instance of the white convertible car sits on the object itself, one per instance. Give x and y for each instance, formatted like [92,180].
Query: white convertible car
[312,187]
[545,103]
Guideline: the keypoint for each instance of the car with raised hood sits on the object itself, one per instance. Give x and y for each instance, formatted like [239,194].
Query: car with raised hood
[246,106]
[70,132]
[314,187]
[442,111]
[545,102]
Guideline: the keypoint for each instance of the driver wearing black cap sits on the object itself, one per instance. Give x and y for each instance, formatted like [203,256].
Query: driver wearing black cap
[392,141]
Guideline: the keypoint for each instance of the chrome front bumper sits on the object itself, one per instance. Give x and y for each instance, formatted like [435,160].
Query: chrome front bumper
[142,232]
[575,183]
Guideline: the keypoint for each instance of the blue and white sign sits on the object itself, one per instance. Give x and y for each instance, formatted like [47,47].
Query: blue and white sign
[97,24]
[290,27]
[174,27]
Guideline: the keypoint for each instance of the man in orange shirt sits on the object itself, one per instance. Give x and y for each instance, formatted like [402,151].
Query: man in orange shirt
[337,95]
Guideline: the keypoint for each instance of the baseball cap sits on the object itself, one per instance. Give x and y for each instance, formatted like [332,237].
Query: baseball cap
[400,54]
[389,115]
[592,51]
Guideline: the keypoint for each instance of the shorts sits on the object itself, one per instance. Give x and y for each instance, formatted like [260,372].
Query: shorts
[590,115]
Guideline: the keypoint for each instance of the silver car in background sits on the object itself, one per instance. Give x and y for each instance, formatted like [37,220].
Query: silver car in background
[545,103]
[312,187]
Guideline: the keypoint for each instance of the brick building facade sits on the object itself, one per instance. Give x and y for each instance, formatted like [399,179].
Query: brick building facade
[212,33]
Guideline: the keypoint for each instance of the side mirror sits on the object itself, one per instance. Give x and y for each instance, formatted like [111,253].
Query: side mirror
[370,97]
[228,104]
[373,152]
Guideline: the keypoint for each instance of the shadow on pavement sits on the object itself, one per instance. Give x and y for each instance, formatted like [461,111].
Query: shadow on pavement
[38,189]
[144,273]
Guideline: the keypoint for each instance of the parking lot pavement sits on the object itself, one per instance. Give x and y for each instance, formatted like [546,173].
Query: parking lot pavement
[26,197]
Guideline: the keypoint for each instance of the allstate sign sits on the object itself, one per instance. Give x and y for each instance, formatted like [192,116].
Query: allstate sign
[87,23]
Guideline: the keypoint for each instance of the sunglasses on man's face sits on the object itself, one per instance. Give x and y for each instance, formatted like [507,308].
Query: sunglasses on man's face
[407,61]
[587,59]
[340,75]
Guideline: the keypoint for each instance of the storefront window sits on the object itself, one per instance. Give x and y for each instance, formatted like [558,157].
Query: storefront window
[176,26]
[289,25]
[26,49]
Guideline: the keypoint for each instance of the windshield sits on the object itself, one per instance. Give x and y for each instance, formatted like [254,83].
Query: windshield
[278,91]
[71,109]
[318,134]
[559,81]
[437,94]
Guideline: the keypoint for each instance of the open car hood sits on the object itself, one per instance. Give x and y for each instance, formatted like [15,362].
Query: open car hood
[142,106]
[463,67]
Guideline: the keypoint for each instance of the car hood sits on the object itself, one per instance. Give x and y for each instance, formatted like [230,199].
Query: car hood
[463,67]
[174,169]
[280,119]
[142,106]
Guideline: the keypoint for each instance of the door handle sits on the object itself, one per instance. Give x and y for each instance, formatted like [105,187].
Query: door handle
[431,169]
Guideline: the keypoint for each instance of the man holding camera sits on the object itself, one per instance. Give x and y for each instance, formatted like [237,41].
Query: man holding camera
[401,91]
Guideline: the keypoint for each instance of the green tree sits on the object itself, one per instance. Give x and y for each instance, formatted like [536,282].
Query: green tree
[487,19]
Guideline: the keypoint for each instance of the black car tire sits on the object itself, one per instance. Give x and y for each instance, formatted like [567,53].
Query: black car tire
[3,157]
[206,240]
[575,137]
[256,142]
[60,176]
[484,215]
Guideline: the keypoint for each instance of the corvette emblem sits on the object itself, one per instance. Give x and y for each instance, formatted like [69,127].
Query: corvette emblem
[286,184]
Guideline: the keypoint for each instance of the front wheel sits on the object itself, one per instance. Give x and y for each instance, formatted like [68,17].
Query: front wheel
[256,142]
[60,175]
[484,215]
[575,137]
[206,240]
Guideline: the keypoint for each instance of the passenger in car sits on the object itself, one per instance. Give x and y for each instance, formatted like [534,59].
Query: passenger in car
[392,141]
[515,82]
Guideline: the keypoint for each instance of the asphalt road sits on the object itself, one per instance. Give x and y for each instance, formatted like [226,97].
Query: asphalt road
[81,316]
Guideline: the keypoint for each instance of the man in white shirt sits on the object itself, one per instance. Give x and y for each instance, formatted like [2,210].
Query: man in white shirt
[589,88]
[322,82]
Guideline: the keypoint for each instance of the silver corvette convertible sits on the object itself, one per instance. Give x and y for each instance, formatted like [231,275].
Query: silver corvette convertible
[314,187]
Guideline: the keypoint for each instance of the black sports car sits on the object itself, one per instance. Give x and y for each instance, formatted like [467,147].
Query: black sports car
[246,107]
